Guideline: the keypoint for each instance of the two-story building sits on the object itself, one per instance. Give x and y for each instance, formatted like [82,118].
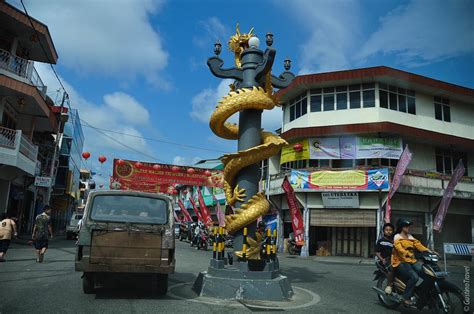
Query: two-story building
[346,131]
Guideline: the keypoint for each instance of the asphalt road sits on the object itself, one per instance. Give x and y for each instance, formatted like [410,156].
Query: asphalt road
[54,286]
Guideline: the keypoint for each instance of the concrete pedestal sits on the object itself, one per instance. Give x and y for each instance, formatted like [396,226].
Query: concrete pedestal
[241,284]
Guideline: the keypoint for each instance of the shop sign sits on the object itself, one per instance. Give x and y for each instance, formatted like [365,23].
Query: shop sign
[288,153]
[355,180]
[43,182]
[340,199]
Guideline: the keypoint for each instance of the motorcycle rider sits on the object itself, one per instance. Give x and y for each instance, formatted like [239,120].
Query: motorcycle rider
[197,233]
[404,261]
[383,251]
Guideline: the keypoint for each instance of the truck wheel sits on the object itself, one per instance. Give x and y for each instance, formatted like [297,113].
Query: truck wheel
[161,284]
[88,284]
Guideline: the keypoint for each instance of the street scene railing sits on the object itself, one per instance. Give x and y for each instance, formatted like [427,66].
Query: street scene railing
[7,137]
[28,149]
[23,68]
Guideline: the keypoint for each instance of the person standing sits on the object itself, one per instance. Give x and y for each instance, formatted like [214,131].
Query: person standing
[41,230]
[7,230]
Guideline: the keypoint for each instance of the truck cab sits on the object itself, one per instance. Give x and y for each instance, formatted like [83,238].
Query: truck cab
[126,232]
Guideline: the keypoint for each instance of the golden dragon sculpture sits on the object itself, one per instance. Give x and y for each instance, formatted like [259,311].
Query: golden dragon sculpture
[242,99]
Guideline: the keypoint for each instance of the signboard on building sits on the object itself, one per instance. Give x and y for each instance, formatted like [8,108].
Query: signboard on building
[459,248]
[340,199]
[356,180]
[43,182]
[288,153]
[152,177]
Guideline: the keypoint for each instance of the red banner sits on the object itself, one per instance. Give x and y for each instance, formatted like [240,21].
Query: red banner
[206,215]
[196,210]
[296,218]
[447,196]
[402,165]
[220,214]
[187,216]
[152,177]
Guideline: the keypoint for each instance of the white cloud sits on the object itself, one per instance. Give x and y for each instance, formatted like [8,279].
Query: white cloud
[422,32]
[210,30]
[204,103]
[113,38]
[131,110]
[185,161]
[333,29]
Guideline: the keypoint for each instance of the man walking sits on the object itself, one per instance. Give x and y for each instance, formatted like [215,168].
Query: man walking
[7,230]
[40,233]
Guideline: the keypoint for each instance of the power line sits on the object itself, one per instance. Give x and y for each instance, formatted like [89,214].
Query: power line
[155,140]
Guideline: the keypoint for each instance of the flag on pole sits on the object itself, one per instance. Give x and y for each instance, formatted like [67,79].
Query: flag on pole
[219,212]
[447,196]
[187,216]
[293,205]
[196,210]
[402,165]
[388,211]
[206,215]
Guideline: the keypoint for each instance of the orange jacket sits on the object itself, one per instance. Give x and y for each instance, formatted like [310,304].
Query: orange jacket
[404,249]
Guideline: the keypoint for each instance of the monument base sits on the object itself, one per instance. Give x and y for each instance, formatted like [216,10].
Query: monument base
[239,283]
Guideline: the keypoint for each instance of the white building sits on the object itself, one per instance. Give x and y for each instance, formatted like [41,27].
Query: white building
[385,105]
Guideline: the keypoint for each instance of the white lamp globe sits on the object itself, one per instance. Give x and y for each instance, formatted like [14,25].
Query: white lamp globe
[254,42]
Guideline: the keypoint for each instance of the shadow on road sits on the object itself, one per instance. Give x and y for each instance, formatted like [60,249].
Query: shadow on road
[302,274]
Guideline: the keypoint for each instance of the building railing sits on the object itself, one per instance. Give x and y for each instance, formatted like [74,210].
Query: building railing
[23,68]
[7,137]
[16,141]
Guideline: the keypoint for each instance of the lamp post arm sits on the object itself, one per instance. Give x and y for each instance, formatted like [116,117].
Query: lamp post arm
[266,65]
[215,65]
[283,80]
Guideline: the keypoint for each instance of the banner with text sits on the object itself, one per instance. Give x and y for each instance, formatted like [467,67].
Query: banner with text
[357,180]
[294,206]
[288,153]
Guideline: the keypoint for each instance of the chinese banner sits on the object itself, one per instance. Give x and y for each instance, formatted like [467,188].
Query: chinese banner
[152,177]
[402,165]
[206,215]
[357,180]
[187,216]
[196,210]
[296,218]
[288,152]
[447,196]
[220,214]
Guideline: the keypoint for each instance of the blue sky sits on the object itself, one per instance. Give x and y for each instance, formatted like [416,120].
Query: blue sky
[139,67]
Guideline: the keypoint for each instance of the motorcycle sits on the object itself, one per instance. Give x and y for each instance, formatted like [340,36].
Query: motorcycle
[229,241]
[293,248]
[202,242]
[438,294]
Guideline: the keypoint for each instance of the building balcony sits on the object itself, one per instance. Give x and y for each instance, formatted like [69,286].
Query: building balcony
[22,70]
[17,151]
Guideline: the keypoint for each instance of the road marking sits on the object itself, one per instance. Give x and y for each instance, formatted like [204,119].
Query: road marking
[315,298]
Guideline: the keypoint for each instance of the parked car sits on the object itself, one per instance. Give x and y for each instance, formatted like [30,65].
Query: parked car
[129,233]
[72,228]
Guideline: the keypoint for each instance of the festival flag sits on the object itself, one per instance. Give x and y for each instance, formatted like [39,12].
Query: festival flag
[447,196]
[206,215]
[388,211]
[196,210]
[187,216]
[219,212]
[402,165]
[296,218]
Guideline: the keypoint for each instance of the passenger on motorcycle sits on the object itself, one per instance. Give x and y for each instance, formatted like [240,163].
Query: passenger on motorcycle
[383,251]
[197,232]
[403,258]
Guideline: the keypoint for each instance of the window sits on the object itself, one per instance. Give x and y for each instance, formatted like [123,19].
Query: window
[341,101]
[316,103]
[447,161]
[342,163]
[298,107]
[442,109]
[328,102]
[397,98]
[354,99]
[369,98]
[388,162]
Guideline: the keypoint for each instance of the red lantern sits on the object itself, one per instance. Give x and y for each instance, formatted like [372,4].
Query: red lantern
[120,162]
[156,167]
[138,165]
[86,155]
[102,159]
[207,173]
[175,169]
[190,171]
[298,147]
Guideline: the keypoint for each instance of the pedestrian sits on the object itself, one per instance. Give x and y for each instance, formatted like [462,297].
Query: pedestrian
[7,230]
[41,230]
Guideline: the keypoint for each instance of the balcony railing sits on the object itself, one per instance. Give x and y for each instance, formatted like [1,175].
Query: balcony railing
[22,68]
[15,140]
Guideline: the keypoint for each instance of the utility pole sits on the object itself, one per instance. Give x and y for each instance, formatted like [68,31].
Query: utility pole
[52,172]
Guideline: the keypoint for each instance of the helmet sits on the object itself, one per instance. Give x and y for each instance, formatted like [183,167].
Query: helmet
[402,222]
[262,224]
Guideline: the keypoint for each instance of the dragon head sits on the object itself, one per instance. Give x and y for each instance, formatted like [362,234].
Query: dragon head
[238,43]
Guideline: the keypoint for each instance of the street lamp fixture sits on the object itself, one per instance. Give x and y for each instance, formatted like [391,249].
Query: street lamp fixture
[217,48]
